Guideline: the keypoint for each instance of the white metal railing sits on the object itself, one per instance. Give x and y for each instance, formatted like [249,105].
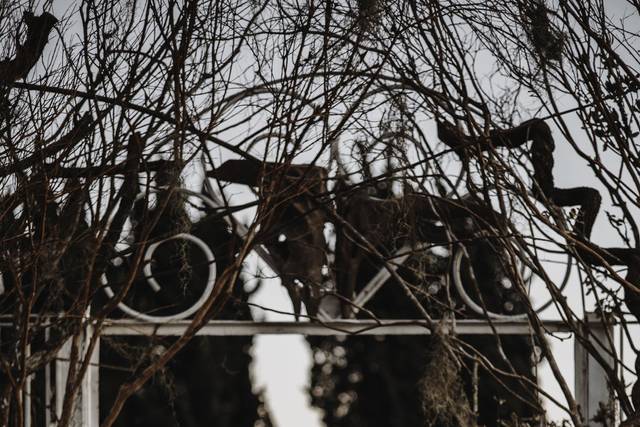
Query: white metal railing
[328,328]
[590,379]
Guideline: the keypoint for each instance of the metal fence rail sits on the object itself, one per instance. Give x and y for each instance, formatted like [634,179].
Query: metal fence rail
[590,379]
[330,327]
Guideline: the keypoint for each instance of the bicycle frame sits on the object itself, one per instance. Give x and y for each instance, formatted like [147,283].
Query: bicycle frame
[395,261]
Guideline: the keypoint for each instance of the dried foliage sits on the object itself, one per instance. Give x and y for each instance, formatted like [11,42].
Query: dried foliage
[443,397]
[546,40]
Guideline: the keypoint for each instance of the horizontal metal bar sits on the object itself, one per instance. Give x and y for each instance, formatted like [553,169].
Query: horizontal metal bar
[334,327]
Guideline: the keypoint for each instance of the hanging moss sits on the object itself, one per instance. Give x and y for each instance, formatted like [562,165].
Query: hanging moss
[546,40]
[368,14]
[444,400]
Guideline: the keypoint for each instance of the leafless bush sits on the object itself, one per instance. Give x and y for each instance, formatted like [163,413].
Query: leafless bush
[98,99]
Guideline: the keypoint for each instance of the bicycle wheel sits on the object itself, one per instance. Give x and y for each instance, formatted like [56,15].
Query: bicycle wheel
[171,262]
[489,291]
[156,287]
